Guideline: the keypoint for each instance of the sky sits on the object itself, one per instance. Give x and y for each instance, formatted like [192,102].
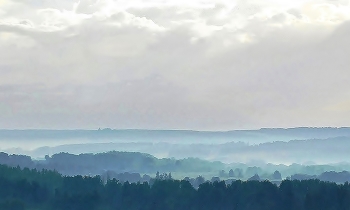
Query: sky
[174,64]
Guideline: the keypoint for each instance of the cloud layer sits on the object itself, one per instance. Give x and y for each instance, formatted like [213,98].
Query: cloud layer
[173,64]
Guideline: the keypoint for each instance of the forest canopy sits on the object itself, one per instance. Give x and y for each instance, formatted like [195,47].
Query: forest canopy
[45,189]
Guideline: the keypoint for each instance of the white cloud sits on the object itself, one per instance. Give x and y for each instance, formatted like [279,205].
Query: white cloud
[173,64]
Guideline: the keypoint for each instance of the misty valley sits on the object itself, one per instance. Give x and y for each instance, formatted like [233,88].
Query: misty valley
[306,168]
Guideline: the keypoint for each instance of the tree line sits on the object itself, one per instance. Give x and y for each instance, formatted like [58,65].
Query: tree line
[33,189]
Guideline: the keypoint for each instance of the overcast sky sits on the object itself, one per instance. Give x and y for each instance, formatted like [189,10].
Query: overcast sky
[174,64]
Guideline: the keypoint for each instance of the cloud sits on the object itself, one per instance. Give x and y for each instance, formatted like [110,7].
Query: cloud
[150,64]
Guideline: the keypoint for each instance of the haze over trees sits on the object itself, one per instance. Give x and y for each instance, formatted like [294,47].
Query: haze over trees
[139,167]
[277,146]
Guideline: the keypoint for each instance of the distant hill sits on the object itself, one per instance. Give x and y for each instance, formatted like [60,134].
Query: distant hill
[183,136]
[310,146]
[295,151]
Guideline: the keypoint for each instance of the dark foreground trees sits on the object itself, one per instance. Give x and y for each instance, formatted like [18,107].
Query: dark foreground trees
[31,189]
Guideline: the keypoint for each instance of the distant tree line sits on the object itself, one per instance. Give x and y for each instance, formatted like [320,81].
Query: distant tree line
[137,167]
[120,162]
[32,189]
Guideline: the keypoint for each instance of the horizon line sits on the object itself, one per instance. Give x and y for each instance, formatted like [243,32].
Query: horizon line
[191,130]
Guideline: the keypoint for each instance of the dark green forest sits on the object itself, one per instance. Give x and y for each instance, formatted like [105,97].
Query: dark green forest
[45,189]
